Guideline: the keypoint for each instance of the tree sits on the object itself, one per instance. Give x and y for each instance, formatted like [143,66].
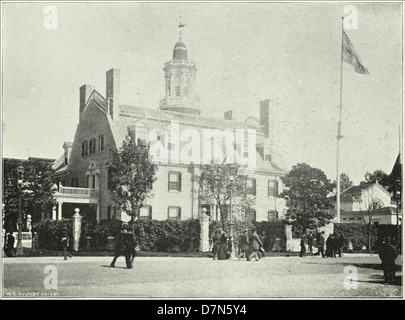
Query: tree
[370,203]
[345,181]
[37,199]
[376,176]
[131,174]
[215,186]
[307,197]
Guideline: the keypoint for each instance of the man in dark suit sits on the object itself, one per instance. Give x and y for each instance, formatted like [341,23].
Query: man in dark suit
[125,245]
[388,254]
[320,243]
[302,245]
[9,247]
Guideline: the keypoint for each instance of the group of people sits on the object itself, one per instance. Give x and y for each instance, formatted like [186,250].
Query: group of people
[334,244]
[250,245]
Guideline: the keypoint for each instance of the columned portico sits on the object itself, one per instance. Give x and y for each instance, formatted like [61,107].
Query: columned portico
[60,203]
[75,195]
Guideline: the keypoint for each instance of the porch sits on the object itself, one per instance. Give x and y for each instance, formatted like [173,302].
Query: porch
[74,195]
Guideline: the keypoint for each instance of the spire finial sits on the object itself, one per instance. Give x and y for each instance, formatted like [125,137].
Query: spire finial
[181,25]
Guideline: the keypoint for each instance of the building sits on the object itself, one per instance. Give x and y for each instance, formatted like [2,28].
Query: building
[359,203]
[81,172]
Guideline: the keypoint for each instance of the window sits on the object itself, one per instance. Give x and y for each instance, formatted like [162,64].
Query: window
[376,204]
[177,85]
[251,214]
[273,188]
[101,143]
[174,181]
[111,212]
[84,148]
[251,186]
[174,213]
[186,86]
[171,146]
[267,157]
[272,215]
[145,213]
[92,146]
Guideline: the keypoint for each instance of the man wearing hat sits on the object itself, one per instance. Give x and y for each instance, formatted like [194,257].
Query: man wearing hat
[388,254]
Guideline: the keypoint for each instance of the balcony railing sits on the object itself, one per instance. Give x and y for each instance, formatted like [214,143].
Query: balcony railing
[78,192]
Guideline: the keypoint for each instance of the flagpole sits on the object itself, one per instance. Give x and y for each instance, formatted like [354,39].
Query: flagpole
[339,133]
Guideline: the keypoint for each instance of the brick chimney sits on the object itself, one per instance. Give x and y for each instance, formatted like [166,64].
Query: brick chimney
[265,117]
[85,92]
[113,92]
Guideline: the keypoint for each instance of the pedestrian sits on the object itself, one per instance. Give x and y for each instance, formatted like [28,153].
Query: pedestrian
[34,246]
[303,247]
[261,252]
[340,243]
[125,245]
[65,245]
[254,245]
[243,245]
[216,244]
[331,246]
[223,247]
[9,245]
[388,254]
[310,241]
[320,243]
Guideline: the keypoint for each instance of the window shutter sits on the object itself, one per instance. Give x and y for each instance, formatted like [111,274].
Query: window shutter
[150,212]
[168,181]
[179,185]
[179,213]
[275,188]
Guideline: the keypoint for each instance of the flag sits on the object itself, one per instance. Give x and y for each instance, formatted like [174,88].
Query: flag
[350,55]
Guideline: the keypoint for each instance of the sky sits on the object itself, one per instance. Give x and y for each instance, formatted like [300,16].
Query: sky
[244,52]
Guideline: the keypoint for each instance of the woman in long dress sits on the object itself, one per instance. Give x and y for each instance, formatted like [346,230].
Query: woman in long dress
[223,247]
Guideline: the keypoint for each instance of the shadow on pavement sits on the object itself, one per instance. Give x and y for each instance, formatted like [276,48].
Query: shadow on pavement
[108,266]
[397,281]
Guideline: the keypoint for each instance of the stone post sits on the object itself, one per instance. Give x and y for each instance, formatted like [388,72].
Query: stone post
[204,232]
[77,228]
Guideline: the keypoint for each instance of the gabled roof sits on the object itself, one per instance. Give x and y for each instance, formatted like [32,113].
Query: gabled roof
[358,189]
[132,115]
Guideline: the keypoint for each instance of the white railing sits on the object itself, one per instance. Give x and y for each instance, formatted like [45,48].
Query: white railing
[80,192]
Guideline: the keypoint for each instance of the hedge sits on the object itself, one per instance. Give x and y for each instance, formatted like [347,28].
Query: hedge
[151,235]
[184,235]
[357,234]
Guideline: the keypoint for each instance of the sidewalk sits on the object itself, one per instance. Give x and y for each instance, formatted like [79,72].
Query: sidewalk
[55,253]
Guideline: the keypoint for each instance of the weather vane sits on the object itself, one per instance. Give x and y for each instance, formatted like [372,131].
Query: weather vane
[181,25]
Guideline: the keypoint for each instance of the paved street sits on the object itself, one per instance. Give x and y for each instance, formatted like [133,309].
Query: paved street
[175,277]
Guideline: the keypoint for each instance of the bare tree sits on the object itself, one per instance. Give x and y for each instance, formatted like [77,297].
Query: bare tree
[368,204]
